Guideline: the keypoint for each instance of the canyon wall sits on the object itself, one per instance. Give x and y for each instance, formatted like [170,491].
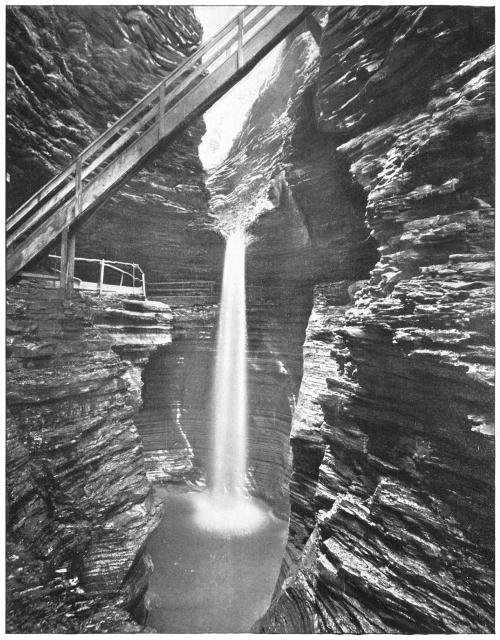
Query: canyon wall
[364,172]
[392,490]
[276,166]
[79,506]
[71,72]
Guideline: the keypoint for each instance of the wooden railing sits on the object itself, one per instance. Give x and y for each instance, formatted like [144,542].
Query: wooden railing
[131,276]
[184,94]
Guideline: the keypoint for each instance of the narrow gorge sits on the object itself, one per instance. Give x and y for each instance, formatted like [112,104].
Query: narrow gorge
[363,177]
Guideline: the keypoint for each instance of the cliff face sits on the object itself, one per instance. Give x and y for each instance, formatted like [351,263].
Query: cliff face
[71,72]
[79,505]
[280,179]
[176,416]
[393,460]
[365,174]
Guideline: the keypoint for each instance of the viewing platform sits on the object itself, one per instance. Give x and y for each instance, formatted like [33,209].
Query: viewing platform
[98,275]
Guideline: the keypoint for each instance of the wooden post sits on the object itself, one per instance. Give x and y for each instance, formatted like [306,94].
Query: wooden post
[68,236]
[70,270]
[241,61]
[67,275]
[101,276]
[64,258]
[161,111]
[70,265]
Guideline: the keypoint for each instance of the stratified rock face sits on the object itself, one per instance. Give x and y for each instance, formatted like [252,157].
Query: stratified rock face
[275,325]
[174,421]
[281,180]
[71,72]
[79,504]
[392,526]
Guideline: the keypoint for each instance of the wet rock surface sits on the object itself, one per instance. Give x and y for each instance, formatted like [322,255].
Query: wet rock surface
[176,417]
[280,179]
[174,420]
[393,458]
[79,505]
[368,183]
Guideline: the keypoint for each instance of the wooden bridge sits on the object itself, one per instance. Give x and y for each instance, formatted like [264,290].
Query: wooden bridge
[105,165]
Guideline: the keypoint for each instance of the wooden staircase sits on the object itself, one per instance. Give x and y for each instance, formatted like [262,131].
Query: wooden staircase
[103,167]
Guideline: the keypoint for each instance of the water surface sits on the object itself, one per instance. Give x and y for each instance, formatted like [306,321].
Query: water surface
[206,580]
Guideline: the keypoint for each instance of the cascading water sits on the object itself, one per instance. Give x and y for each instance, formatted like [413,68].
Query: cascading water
[217,553]
[227,508]
[229,422]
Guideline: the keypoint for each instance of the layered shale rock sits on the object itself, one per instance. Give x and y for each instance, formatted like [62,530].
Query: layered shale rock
[177,413]
[280,179]
[275,327]
[174,420]
[81,507]
[71,72]
[79,504]
[393,459]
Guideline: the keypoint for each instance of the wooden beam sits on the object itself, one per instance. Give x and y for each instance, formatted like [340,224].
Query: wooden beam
[64,257]
[78,188]
[241,57]
[161,110]
[101,276]
[67,276]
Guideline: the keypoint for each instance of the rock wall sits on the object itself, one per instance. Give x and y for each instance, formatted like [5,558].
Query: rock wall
[176,416]
[71,72]
[279,180]
[79,505]
[392,526]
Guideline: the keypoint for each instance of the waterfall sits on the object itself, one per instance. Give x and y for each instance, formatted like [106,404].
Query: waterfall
[227,509]
[229,419]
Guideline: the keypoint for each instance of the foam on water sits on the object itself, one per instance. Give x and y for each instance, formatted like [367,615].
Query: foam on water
[230,515]
[215,565]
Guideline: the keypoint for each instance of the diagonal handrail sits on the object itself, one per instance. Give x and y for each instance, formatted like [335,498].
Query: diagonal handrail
[193,86]
[35,199]
[65,189]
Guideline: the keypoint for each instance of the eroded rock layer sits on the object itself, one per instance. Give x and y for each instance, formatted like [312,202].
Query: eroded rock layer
[279,180]
[71,72]
[175,421]
[79,505]
[392,526]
